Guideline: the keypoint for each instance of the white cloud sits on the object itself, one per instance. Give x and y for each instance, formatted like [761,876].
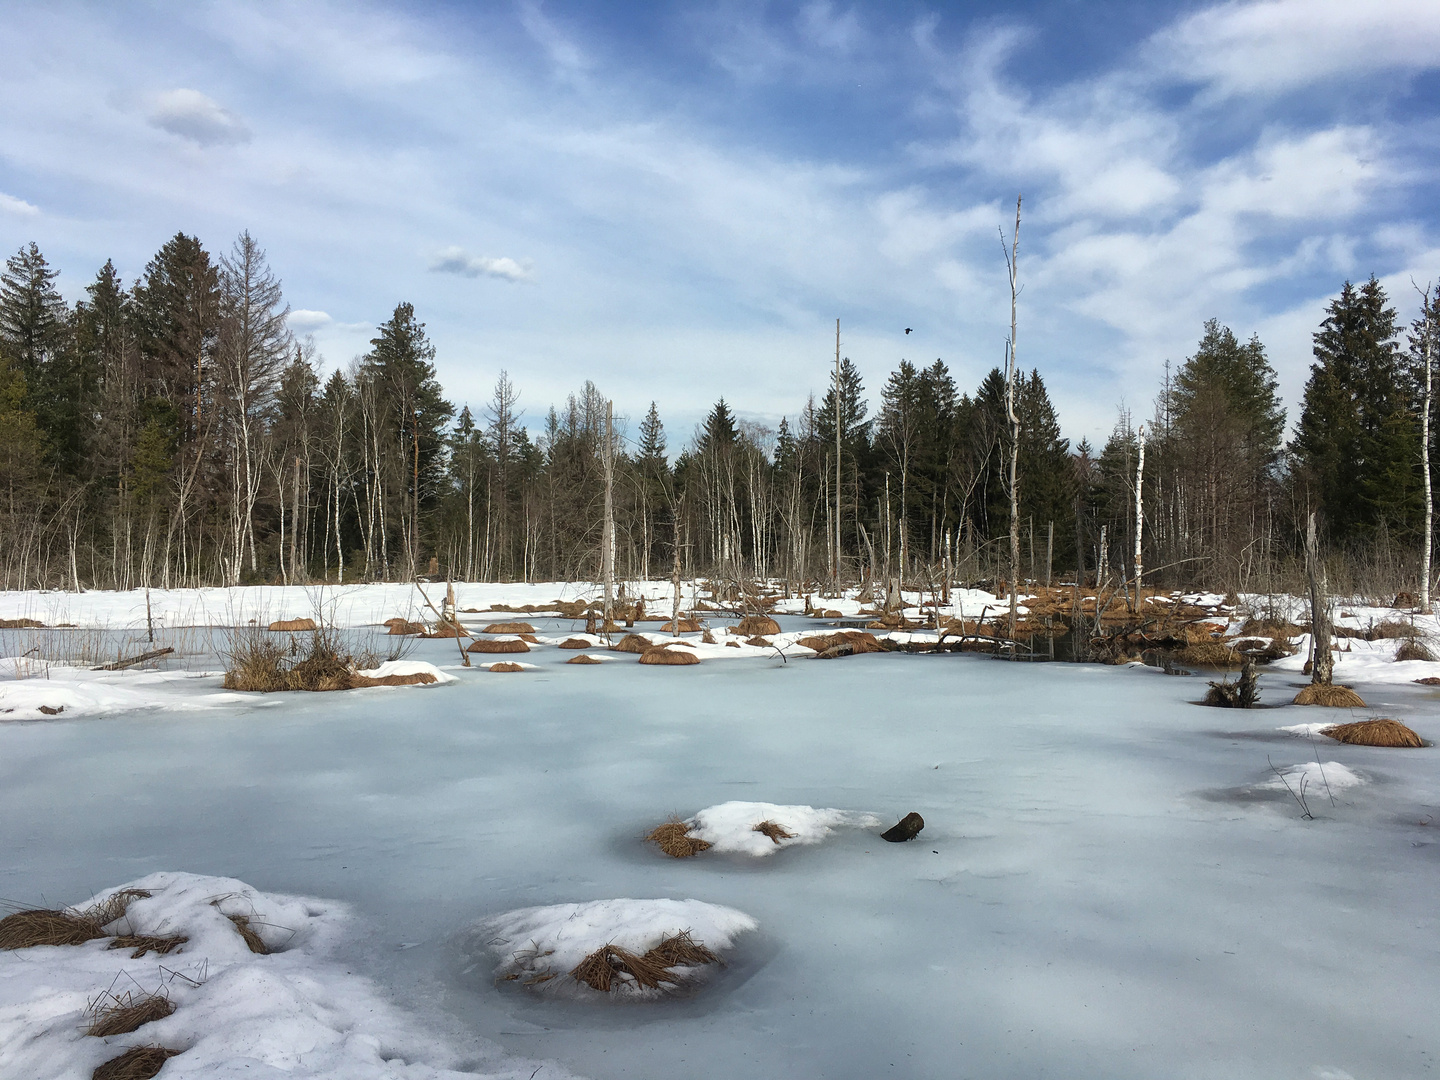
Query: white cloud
[563,52]
[9,204]
[454,260]
[1277,45]
[304,321]
[194,116]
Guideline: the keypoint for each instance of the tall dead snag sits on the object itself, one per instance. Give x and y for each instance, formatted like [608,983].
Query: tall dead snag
[675,572]
[1012,263]
[1429,316]
[1322,663]
[1139,517]
[607,531]
[836,571]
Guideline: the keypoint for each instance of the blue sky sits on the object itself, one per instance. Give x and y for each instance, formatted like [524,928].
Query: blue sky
[678,200]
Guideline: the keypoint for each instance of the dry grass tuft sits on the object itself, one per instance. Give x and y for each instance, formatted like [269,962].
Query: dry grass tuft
[26,929]
[258,663]
[404,626]
[687,626]
[115,905]
[611,966]
[292,625]
[1413,650]
[1273,628]
[632,643]
[509,628]
[774,830]
[668,657]
[253,941]
[575,643]
[1336,697]
[584,659]
[505,645]
[1209,654]
[755,625]
[682,951]
[1378,732]
[761,642]
[673,839]
[1388,629]
[143,943]
[419,678]
[120,1014]
[506,665]
[828,646]
[137,1063]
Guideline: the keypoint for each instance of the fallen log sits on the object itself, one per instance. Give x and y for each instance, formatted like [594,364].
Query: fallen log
[120,665]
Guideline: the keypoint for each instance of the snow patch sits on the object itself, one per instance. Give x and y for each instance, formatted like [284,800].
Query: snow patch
[731,826]
[1315,777]
[409,667]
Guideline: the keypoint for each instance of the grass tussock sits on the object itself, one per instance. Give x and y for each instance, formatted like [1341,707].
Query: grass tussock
[503,645]
[27,929]
[610,966]
[506,665]
[755,625]
[632,643]
[674,839]
[668,657]
[120,1014]
[260,663]
[1378,732]
[685,626]
[827,646]
[292,625]
[575,643]
[137,1063]
[1209,654]
[398,627]
[584,659]
[1335,697]
[1390,629]
[146,943]
[759,642]
[774,830]
[1413,649]
[509,628]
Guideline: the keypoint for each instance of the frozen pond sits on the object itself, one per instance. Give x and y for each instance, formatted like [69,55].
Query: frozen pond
[1106,885]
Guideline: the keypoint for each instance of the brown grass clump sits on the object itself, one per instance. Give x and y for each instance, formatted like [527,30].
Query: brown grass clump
[583,659]
[142,944]
[632,643]
[292,625]
[755,625]
[1209,654]
[403,626]
[707,637]
[509,628]
[490,645]
[1391,628]
[115,905]
[253,941]
[506,665]
[687,626]
[608,966]
[137,1063]
[448,630]
[842,644]
[1413,650]
[774,830]
[120,1014]
[419,678]
[1336,697]
[831,613]
[682,951]
[674,839]
[575,643]
[1378,732]
[569,609]
[760,642]
[668,657]
[26,929]
[1273,628]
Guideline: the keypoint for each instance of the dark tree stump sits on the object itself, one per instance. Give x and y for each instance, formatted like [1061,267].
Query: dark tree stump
[906,829]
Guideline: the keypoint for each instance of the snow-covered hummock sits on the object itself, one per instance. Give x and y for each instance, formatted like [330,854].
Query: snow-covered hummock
[409,667]
[293,1013]
[538,941]
[731,826]
[39,690]
[1315,777]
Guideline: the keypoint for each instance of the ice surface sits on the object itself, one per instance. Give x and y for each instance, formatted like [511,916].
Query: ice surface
[296,1013]
[1104,889]
[731,826]
[553,940]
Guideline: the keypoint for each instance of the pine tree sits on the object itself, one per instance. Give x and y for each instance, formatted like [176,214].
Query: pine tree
[36,333]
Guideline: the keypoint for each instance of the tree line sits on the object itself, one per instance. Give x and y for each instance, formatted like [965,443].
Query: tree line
[173,432]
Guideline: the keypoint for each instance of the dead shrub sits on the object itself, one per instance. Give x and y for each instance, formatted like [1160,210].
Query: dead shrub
[26,929]
[503,645]
[137,1063]
[668,657]
[1413,649]
[509,628]
[1388,629]
[1377,732]
[142,944]
[774,830]
[506,665]
[755,625]
[1336,697]
[292,625]
[120,1014]
[632,643]
[575,643]
[583,659]
[258,663]
[674,839]
[253,941]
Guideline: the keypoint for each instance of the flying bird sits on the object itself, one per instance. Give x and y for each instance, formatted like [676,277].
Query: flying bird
[907,329]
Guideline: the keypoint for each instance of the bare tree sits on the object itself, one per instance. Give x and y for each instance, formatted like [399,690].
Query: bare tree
[1012,264]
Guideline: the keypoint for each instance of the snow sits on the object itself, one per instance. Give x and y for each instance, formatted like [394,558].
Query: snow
[409,667]
[296,1013]
[1316,777]
[1108,884]
[730,827]
[552,940]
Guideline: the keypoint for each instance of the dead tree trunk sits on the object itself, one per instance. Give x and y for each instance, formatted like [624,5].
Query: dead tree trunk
[1322,663]
[1012,262]
[1139,518]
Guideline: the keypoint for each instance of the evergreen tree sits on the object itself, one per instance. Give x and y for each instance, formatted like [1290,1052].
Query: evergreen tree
[651,452]
[36,333]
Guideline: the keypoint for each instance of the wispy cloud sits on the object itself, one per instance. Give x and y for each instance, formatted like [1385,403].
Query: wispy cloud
[194,116]
[303,321]
[9,204]
[455,260]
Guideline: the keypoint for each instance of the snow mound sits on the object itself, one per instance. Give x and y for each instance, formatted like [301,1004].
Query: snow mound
[540,946]
[731,826]
[1308,729]
[409,667]
[293,1013]
[1315,777]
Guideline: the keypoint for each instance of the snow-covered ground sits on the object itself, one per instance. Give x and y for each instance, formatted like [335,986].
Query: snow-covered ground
[1112,881]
